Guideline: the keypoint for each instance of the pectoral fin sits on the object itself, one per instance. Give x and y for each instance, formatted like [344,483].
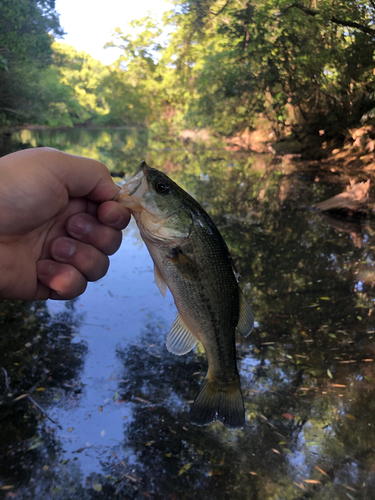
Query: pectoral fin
[188,269]
[246,319]
[159,280]
[180,340]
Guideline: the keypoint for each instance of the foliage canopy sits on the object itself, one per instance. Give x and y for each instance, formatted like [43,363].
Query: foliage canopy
[224,63]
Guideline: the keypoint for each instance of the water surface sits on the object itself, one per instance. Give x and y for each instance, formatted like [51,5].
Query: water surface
[94,406]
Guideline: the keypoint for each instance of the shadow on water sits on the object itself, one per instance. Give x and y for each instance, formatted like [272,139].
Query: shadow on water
[307,370]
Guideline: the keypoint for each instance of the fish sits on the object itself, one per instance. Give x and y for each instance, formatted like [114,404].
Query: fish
[192,259]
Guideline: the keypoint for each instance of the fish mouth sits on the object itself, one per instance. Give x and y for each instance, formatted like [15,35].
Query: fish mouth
[135,188]
[133,184]
[143,167]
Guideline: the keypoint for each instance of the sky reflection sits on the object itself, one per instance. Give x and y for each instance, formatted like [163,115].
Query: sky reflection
[110,417]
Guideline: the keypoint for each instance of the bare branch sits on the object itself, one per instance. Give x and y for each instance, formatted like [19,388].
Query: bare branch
[14,111]
[306,10]
[7,379]
[42,411]
[333,19]
[222,9]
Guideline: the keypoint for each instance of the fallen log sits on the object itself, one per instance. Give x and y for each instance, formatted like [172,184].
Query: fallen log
[353,199]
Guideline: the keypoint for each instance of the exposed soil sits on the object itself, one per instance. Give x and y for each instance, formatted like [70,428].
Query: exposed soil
[349,159]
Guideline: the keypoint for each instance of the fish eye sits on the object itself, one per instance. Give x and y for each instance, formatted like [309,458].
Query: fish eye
[162,187]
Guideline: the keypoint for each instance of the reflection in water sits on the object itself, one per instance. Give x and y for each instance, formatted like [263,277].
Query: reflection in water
[98,366]
[40,367]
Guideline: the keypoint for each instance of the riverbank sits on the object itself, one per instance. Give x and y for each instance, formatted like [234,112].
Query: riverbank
[347,160]
[351,154]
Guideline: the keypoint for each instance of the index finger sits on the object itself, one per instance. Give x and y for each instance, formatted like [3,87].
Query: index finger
[81,176]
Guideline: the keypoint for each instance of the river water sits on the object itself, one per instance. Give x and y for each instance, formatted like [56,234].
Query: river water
[94,407]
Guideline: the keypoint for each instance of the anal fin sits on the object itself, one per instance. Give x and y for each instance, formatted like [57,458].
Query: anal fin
[246,319]
[180,340]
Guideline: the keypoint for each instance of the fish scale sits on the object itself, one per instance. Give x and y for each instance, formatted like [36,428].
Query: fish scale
[217,286]
[193,261]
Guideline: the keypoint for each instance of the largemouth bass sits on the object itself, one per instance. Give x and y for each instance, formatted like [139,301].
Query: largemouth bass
[193,261]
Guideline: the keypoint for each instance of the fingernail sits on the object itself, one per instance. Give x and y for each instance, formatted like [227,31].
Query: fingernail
[80,226]
[114,217]
[64,248]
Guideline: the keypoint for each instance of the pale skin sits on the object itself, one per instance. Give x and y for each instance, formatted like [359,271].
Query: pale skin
[58,224]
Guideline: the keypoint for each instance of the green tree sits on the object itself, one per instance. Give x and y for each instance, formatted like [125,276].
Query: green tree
[26,31]
[84,76]
[132,88]
[288,61]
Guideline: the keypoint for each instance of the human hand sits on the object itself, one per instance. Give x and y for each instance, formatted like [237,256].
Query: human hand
[57,224]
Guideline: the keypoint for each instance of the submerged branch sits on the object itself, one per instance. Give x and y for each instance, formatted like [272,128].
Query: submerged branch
[354,198]
[42,411]
[7,379]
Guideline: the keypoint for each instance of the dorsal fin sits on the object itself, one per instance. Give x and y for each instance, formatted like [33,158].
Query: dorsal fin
[180,340]
[246,319]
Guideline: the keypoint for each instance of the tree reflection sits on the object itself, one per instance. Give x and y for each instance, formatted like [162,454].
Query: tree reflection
[307,370]
[296,421]
[38,364]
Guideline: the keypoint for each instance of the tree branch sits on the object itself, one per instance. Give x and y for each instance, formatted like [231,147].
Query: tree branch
[306,10]
[333,19]
[42,411]
[222,9]
[14,111]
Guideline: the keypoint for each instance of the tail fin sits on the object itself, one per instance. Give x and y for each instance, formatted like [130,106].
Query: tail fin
[215,402]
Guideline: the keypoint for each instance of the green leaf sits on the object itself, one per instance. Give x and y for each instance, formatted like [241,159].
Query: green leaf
[185,468]
[33,446]
[36,442]
[97,487]
[287,450]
